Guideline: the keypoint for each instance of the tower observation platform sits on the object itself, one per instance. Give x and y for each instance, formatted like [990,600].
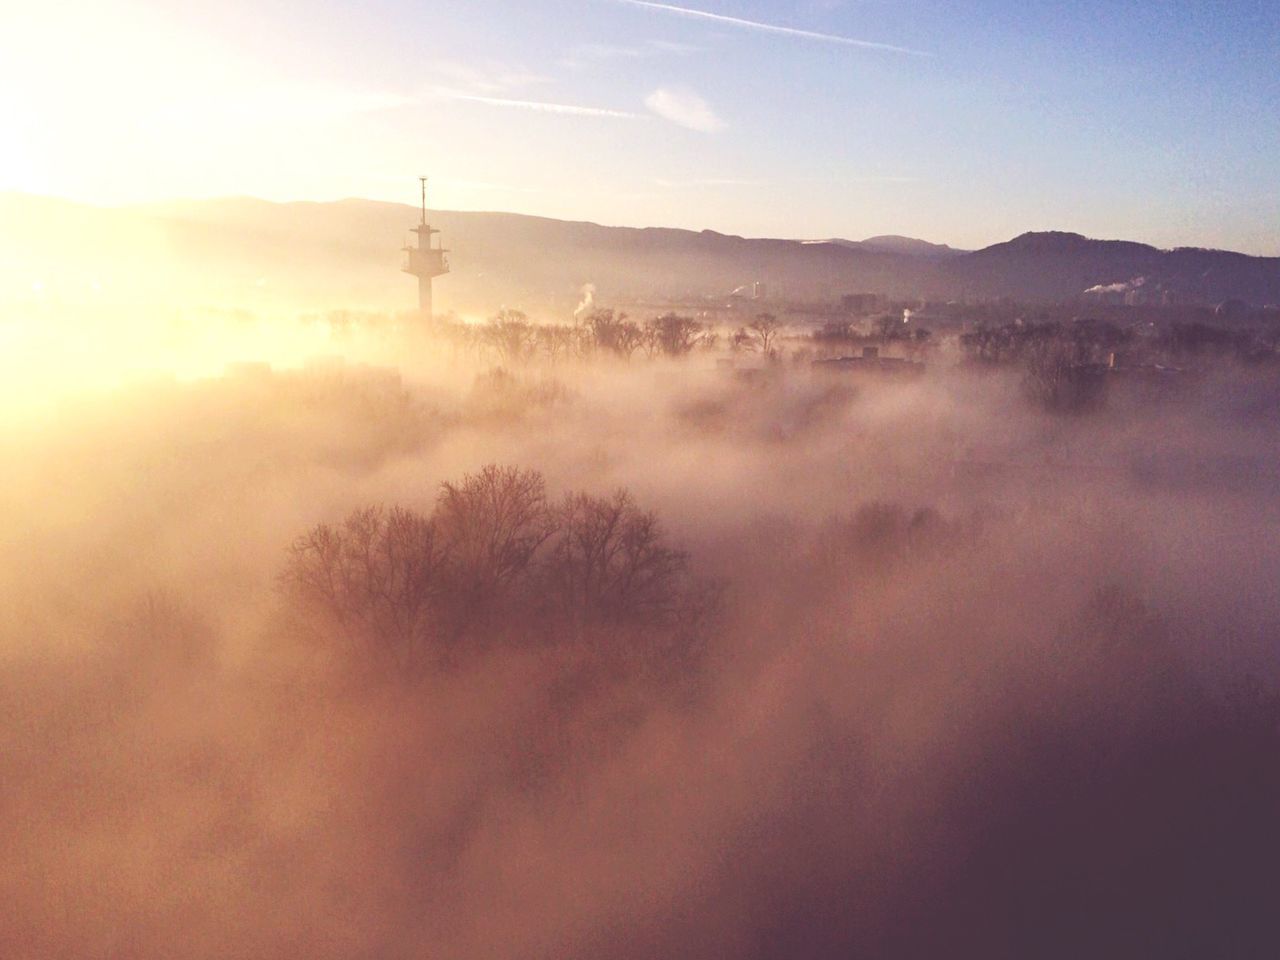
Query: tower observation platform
[427,260]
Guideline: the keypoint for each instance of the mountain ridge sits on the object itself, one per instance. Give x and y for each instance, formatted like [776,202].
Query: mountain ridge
[347,252]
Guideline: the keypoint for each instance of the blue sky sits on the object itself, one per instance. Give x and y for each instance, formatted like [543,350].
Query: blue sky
[961,122]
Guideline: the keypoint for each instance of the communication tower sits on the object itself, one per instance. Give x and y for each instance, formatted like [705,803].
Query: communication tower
[427,260]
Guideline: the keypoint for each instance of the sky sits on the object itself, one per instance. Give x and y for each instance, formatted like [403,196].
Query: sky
[964,122]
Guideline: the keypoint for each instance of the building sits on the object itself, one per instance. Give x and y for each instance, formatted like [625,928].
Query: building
[870,362]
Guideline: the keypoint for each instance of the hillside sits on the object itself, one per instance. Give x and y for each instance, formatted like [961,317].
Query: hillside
[1058,266]
[259,255]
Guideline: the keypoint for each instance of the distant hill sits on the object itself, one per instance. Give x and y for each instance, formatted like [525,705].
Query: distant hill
[1058,266]
[908,246]
[255,254]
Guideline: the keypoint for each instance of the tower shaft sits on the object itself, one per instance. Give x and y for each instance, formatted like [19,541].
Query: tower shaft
[426,308]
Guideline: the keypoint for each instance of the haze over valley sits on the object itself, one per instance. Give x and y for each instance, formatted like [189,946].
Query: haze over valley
[881,568]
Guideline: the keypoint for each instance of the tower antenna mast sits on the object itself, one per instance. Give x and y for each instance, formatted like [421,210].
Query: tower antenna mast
[424,200]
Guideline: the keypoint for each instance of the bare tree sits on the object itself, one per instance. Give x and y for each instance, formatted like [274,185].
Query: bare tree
[554,341]
[613,333]
[673,335]
[496,564]
[511,336]
[1058,376]
[377,577]
[168,630]
[764,330]
[608,564]
[492,524]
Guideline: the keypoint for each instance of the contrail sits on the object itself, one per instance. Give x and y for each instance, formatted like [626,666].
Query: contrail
[773,28]
[541,106]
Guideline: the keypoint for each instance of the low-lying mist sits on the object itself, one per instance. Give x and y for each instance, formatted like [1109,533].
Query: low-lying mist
[658,658]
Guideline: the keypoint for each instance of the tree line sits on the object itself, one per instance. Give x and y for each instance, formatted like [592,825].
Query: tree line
[511,338]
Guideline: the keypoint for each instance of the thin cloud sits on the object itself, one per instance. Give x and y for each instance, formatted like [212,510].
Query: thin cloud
[684,108]
[772,28]
[540,106]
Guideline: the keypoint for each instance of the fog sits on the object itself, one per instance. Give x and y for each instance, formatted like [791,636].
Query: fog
[940,673]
